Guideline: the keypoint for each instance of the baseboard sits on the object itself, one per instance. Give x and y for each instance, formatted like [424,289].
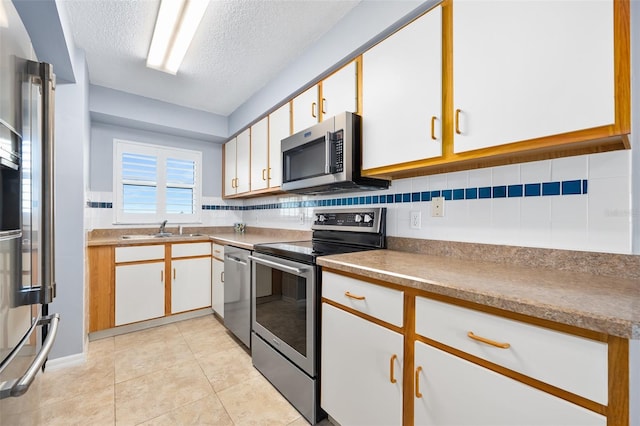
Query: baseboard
[142,325]
[65,362]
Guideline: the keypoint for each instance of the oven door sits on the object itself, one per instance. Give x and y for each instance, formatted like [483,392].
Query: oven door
[284,307]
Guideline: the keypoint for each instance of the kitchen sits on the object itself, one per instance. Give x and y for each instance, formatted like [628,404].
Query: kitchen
[572,222]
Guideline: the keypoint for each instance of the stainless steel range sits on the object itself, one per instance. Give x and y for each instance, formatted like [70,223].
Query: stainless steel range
[286,294]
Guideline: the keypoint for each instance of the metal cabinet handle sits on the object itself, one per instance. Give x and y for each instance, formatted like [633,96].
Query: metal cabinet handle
[20,386]
[392,379]
[324,103]
[418,393]
[269,173]
[353,296]
[488,341]
[433,128]
[313,110]
[458,111]
[222,276]
[263,174]
[174,273]
[162,276]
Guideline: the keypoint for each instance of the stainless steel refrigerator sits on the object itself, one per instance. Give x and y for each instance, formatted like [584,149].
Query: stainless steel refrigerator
[27,276]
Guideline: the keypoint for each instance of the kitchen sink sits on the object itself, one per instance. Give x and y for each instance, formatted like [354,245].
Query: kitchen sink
[159,235]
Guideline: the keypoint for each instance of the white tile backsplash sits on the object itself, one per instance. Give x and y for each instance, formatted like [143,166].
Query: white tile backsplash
[597,221]
[569,168]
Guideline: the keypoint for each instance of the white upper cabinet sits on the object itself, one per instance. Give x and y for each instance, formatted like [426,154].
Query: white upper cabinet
[305,109]
[279,128]
[230,167]
[260,154]
[530,69]
[237,170]
[402,95]
[335,94]
[339,92]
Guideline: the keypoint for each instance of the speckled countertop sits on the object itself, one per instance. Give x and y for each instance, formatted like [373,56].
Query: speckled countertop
[248,240]
[600,303]
[220,235]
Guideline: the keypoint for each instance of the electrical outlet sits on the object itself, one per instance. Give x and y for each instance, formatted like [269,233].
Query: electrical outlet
[437,207]
[416,220]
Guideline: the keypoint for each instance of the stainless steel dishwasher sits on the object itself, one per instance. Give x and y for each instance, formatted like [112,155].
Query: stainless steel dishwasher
[237,293]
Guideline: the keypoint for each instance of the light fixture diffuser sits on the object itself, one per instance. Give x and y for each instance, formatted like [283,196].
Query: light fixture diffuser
[176,25]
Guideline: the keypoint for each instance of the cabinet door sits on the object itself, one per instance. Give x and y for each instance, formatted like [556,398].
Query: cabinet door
[279,128]
[260,154]
[357,358]
[544,68]
[402,95]
[340,92]
[190,284]
[457,392]
[139,292]
[230,167]
[305,109]
[243,158]
[217,288]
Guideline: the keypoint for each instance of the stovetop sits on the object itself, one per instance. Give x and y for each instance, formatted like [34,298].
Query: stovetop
[335,232]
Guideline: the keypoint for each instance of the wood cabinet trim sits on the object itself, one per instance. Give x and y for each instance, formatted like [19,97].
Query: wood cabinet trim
[365,316]
[101,287]
[618,374]
[168,277]
[550,389]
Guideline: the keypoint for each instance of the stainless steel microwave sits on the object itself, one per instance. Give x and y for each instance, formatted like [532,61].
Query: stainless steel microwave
[327,158]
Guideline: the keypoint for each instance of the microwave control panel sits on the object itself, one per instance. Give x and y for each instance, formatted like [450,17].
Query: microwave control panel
[337,140]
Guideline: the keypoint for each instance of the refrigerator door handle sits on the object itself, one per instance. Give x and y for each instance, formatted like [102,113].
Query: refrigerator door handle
[19,386]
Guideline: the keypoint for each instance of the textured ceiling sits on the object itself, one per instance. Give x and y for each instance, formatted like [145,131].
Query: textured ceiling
[240,46]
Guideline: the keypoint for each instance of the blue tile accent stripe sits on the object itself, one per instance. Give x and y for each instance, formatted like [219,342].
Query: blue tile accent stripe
[560,188]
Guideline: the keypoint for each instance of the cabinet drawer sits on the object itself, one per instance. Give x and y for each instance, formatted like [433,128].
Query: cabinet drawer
[139,253]
[192,249]
[218,251]
[380,302]
[569,362]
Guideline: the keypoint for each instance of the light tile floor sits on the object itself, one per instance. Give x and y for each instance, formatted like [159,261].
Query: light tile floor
[186,373]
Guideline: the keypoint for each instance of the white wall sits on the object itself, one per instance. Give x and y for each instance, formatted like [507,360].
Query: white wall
[101,157]
[71,136]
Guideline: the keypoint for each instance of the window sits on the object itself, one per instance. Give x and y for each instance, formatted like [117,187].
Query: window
[154,183]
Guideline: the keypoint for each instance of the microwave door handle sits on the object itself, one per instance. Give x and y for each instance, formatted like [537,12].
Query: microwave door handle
[327,165]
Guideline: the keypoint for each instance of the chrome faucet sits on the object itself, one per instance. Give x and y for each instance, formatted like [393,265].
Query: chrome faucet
[162,225]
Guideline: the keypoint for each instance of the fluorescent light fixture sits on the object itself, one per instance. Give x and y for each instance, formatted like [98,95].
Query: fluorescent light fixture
[176,25]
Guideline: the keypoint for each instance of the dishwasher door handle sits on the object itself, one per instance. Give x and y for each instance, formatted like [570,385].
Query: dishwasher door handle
[296,271]
[235,259]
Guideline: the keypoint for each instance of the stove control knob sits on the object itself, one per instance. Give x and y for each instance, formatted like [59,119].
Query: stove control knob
[367,218]
[320,218]
[357,218]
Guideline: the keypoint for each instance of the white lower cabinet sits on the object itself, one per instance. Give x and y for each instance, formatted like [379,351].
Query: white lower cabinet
[359,362]
[452,391]
[217,288]
[139,292]
[190,284]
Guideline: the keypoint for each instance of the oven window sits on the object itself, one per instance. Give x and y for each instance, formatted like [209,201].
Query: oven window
[305,161]
[281,306]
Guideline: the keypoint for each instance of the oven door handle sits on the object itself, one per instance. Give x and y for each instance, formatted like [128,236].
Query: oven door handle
[297,271]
